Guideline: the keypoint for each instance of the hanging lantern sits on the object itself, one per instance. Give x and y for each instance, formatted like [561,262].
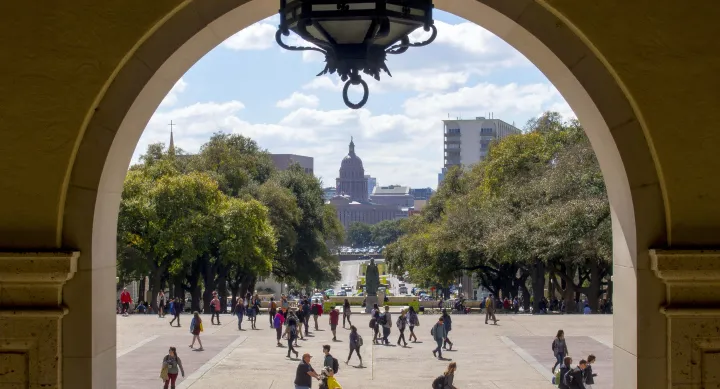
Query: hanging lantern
[356,35]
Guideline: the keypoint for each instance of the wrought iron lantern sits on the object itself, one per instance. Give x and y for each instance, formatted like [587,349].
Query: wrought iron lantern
[355,35]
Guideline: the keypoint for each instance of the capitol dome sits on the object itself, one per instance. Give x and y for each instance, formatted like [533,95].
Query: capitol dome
[352,181]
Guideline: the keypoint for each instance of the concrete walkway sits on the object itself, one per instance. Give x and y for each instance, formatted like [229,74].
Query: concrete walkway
[514,355]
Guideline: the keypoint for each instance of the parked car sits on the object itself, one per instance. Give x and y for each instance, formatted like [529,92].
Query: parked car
[341,293]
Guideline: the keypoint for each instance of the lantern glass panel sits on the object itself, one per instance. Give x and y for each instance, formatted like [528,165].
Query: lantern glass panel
[347,31]
[399,9]
[350,7]
[397,31]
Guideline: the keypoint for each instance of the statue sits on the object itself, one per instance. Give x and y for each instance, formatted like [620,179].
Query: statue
[372,278]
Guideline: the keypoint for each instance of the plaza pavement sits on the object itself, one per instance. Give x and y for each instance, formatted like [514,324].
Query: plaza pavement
[513,355]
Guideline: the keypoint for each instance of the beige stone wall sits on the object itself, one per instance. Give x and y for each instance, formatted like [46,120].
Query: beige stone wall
[80,80]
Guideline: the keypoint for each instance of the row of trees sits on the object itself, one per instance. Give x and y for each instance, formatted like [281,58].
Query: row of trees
[380,234]
[221,219]
[533,215]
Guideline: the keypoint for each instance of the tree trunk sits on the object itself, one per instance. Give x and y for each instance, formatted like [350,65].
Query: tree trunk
[155,286]
[538,284]
[593,292]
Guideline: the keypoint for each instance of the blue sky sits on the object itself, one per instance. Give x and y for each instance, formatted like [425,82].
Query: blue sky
[248,85]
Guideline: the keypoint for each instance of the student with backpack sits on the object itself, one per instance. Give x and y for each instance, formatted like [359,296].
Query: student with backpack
[292,334]
[560,379]
[329,360]
[574,378]
[447,321]
[438,333]
[445,381]
[273,310]
[374,317]
[356,341]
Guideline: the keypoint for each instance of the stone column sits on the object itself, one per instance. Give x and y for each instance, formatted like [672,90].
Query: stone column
[31,313]
[692,311]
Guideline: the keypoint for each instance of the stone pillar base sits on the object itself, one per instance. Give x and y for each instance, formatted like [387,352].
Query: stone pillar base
[31,317]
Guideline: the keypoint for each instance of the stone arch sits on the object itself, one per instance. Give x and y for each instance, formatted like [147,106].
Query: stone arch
[549,40]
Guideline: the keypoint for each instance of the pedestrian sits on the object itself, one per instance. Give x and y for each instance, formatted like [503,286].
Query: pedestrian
[161,304]
[175,309]
[125,300]
[574,378]
[292,333]
[305,373]
[559,349]
[278,322]
[413,321]
[301,321]
[438,333]
[306,315]
[328,380]
[445,381]
[386,322]
[374,318]
[215,308]
[173,364]
[346,312]
[284,303]
[272,310]
[334,320]
[560,376]
[329,360]
[588,373]
[196,327]
[401,324]
[447,321]
[356,342]
[250,312]
[317,310]
[240,312]
[490,309]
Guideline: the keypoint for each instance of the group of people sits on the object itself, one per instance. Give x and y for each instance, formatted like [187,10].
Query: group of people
[568,377]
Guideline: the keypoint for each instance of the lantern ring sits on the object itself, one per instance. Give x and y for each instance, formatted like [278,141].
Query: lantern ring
[366,93]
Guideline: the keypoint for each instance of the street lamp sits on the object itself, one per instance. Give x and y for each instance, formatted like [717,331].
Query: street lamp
[355,35]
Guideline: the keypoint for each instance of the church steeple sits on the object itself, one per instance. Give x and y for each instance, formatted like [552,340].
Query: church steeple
[171,148]
[352,147]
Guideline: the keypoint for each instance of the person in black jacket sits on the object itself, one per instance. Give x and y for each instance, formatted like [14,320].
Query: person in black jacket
[589,376]
[575,377]
[564,369]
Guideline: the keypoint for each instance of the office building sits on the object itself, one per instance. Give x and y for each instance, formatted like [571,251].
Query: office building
[283,161]
[467,142]
[395,195]
[372,183]
[421,193]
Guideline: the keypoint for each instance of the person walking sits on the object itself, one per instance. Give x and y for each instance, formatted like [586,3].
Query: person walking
[196,328]
[278,322]
[317,310]
[560,376]
[173,364]
[292,333]
[445,381]
[438,333]
[240,311]
[305,373]
[272,309]
[447,321]
[329,360]
[250,312]
[284,303]
[328,380]
[374,319]
[346,312]
[175,308]
[559,349]
[356,342]
[125,300]
[588,373]
[301,321]
[386,322]
[215,308]
[490,309]
[334,320]
[401,325]
[413,321]
[306,316]
[575,378]
[161,304]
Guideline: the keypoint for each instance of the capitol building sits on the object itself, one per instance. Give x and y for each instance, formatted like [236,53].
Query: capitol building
[351,200]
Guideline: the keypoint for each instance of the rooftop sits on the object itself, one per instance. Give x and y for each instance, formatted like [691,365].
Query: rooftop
[391,190]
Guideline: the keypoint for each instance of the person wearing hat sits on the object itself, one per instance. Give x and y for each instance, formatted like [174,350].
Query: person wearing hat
[305,373]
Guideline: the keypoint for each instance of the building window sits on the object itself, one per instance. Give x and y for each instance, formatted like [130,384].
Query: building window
[486,131]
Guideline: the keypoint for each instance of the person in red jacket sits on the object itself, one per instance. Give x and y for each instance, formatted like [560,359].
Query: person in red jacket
[317,310]
[334,320]
[125,300]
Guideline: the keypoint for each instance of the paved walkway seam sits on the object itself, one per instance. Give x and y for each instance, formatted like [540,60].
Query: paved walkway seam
[136,346]
[197,374]
[543,370]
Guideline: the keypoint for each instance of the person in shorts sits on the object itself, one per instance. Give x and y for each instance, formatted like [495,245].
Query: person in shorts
[334,320]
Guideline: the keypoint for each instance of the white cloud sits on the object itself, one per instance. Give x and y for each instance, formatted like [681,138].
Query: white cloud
[298,100]
[420,80]
[172,96]
[465,36]
[259,36]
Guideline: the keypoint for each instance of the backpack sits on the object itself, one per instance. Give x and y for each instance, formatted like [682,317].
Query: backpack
[276,322]
[273,306]
[315,310]
[439,382]
[432,331]
[568,378]
[359,341]
[382,320]
[335,365]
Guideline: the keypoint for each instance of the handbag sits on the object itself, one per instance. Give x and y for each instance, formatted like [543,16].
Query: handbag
[164,372]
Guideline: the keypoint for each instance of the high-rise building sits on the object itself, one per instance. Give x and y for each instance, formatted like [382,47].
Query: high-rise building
[283,161]
[467,141]
[329,193]
[372,183]
[395,195]
[422,193]
[352,181]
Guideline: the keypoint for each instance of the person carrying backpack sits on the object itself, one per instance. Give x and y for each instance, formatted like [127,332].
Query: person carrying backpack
[445,381]
[375,316]
[385,321]
[438,333]
[562,372]
[272,310]
[356,342]
[329,360]
[447,321]
[574,378]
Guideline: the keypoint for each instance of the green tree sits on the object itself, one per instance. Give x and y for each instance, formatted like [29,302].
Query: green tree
[359,234]
[386,232]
